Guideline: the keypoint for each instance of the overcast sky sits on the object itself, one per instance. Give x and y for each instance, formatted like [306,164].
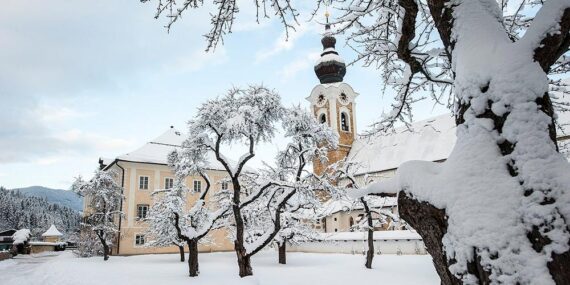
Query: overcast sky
[84,79]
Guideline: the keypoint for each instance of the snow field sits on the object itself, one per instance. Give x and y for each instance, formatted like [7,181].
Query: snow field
[218,269]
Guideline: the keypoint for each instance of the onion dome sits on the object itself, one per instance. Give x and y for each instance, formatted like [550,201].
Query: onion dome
[330,67]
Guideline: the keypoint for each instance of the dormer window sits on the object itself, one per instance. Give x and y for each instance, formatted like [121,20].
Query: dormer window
[323,119]
[344,122]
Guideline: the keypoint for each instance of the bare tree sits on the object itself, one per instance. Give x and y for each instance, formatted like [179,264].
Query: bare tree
[280,212]
[161,219]
[344,172]
[193,226]
[103,195]
[242,115]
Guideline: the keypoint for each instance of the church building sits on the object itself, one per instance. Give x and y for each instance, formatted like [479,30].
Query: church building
[333,102]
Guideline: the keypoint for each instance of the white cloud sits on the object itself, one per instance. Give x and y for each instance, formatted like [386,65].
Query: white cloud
[75,138]
[290,70]
[197,60]
[246,21]
[283,43]
[56,114]
[47,161]
[34,132]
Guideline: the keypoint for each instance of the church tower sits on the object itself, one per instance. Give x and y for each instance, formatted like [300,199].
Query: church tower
[333,101]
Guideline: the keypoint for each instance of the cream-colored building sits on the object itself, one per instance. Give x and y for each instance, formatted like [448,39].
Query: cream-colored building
[145,170]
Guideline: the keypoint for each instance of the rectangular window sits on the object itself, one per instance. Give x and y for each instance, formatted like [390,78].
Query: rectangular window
[197,186]
[139,240]
[168,183]
[142,211]
[143,182]
[225,185]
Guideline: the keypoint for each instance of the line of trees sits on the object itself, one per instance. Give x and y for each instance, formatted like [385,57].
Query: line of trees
[18,211]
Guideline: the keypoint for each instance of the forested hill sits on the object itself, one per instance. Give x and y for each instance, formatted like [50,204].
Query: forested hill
[19,211]
[56,196]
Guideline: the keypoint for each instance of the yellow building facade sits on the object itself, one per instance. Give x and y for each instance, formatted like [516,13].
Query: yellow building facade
[144,171]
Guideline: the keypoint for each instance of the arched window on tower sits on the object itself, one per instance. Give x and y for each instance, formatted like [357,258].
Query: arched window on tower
[351,223]
[323,118]
[344,122]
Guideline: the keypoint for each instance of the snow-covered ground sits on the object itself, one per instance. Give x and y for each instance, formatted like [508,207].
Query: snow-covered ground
[217,269]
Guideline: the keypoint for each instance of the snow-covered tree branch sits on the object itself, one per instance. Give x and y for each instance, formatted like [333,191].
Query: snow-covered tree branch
[104,196]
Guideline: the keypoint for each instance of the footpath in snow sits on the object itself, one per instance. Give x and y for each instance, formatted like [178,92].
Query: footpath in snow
[218,269]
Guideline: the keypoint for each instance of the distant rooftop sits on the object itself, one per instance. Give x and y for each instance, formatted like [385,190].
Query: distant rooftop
[52,232]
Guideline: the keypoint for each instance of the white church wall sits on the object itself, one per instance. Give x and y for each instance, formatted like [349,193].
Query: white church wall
[385,242]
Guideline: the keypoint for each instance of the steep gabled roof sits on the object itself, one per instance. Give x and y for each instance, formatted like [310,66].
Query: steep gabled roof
[52,231]
[156,151]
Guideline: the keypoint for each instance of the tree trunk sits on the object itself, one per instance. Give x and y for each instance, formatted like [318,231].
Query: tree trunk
[370,252]
[181,250]
[283,252]
[431,224]
[193,267]
[105,246]
[244,262]
[370,222]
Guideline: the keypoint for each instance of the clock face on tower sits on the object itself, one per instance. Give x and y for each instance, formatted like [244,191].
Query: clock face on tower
[343,98]
[321,100]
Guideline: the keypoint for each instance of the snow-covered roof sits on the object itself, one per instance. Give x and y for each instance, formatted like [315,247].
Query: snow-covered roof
[378,235]
[431,140]
[156,151]
[329,58]
[21,236]
[52,231]
[333,206]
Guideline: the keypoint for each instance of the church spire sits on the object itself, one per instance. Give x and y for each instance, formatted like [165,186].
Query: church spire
[330,67]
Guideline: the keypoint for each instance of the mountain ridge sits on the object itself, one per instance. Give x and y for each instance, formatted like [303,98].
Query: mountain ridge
[55,196]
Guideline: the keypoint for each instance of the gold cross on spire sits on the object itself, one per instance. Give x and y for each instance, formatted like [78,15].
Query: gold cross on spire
[327,14]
